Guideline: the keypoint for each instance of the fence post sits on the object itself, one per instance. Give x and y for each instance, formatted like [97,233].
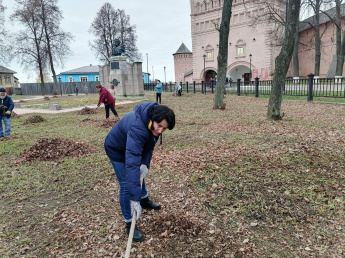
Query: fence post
[194,86]
[310,88]
[202,87]
[212,85]
[187,86]
[238,87]
[256,87]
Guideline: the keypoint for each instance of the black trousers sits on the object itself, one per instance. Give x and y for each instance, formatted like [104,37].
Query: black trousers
[111,107]
[159,96]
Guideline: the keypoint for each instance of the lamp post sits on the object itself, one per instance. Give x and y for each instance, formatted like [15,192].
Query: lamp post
[250,69]
[60,84]
[147,63]
[165,77]
[204,56]
[202,90]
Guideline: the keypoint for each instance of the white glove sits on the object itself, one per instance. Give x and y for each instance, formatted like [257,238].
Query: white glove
[8,112]
[135,206]
[144,170]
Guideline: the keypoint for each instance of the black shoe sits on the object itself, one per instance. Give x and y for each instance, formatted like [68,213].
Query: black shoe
[137,236]
[146,203]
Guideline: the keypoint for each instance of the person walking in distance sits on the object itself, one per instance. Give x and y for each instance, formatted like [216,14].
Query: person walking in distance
[178,89]
[6,107]
[158,89]
[129,146]
[108,100]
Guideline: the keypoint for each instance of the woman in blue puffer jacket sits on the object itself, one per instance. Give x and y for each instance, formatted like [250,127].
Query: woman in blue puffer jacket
[129,146]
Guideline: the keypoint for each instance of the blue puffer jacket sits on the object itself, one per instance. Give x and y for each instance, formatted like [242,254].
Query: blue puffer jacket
[159,87]
[8,103]
[131,142]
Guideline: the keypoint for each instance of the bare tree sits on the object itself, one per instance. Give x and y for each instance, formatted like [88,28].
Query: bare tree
[276,17]
[5,49]
[29,45]
[108,25]
[222,58]
[272,15]
[56,41]
[314,23]
[283,60]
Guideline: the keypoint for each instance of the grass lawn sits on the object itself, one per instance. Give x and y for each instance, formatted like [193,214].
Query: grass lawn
[231,183]
[66,101]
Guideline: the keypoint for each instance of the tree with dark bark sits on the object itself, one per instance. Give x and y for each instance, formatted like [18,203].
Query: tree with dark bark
[282,61]
[224,30]
[314,22]
[29,45]
[109,25]
[56,41]
[42,42]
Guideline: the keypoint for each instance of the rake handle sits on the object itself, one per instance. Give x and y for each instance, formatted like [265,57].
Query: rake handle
[134,218]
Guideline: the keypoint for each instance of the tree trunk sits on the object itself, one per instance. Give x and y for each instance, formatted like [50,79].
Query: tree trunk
[39,60]
[222,58]
[295,53]
[337,20]
[282,61]
[317,39]
[50,54]
[342,54]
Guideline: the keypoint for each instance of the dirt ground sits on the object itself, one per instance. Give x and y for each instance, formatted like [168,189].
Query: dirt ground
[229,187]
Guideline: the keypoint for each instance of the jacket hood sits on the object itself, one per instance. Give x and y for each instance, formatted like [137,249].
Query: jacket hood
[142,111]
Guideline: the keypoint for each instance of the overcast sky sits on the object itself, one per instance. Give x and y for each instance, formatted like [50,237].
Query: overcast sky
[161,26]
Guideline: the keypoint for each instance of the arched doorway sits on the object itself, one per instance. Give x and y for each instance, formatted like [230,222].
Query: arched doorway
[239,72]
[210,75]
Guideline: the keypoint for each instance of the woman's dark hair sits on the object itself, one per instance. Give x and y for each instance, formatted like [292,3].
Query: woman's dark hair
[160,112]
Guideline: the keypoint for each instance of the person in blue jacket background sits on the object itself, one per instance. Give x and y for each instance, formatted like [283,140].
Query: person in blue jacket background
[129,146]
[158,89]
[6,107]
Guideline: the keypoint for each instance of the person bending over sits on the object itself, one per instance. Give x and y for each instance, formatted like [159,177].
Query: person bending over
[108,100]
[129,146]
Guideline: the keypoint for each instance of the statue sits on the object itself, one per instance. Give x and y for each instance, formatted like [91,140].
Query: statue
[118,50]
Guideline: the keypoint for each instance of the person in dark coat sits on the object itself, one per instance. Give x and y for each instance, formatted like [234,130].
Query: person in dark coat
[108,100]
[129,146]
[76,90]
[6,107]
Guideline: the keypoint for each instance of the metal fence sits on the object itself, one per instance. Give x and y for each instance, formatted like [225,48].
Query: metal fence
[63,88]
[310,87]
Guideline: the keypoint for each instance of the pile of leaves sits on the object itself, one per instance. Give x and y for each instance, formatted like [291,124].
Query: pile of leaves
[34,119]
[54,149]
[231,184]
[86,111]
[110,122]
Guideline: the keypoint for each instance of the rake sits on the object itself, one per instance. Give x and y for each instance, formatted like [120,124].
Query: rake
[131,231]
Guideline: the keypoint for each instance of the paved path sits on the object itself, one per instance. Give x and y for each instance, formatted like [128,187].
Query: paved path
[22,111]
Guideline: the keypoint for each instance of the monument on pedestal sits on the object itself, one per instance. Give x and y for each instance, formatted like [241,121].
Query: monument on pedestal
[126,77]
